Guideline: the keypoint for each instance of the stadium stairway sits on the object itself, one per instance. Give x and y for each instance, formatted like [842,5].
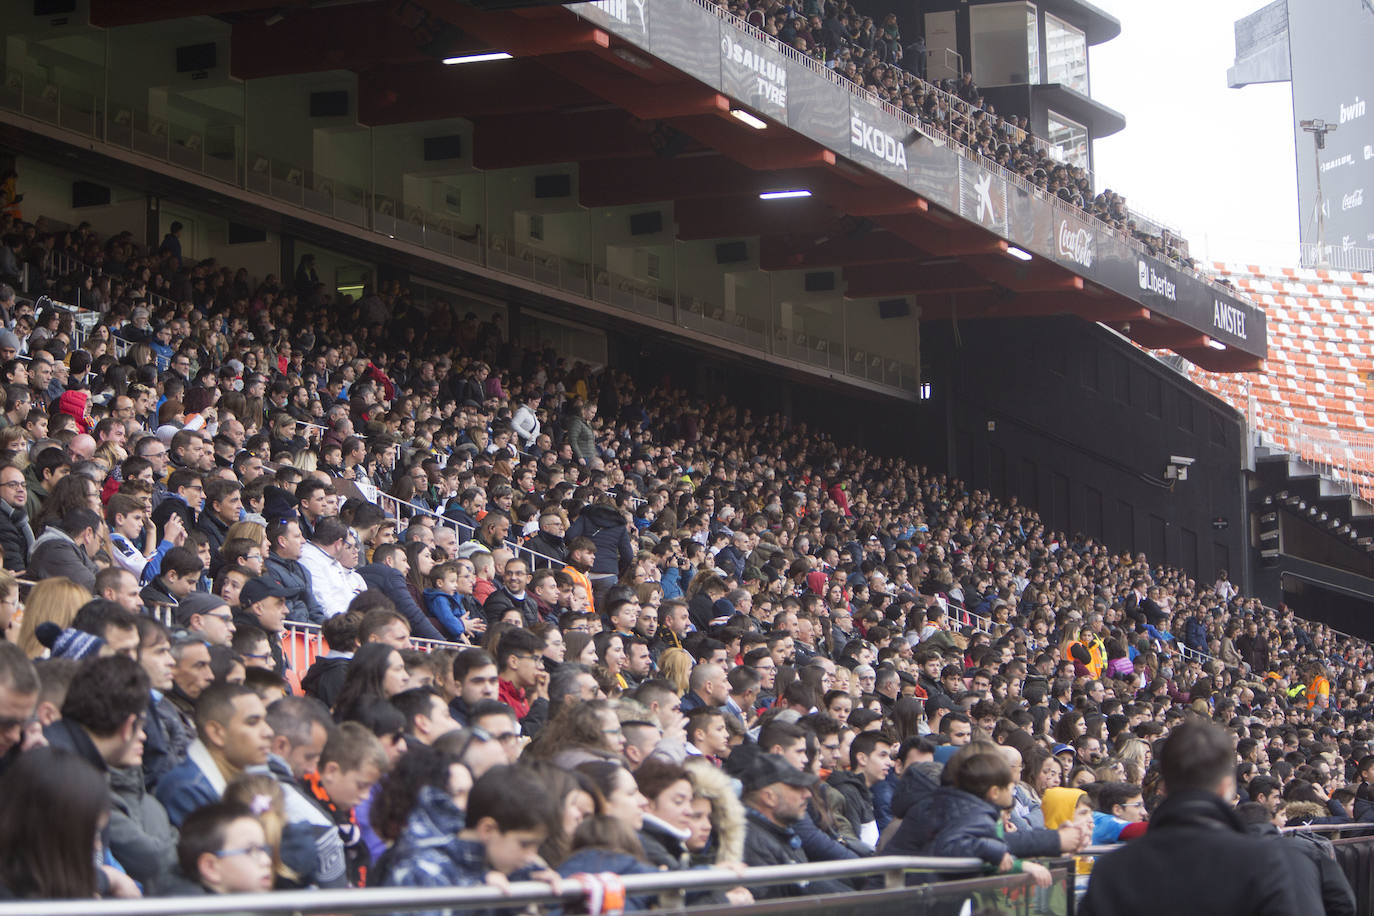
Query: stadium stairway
[1311,408]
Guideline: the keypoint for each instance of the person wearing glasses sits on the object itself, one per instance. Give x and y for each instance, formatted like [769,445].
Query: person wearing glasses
[1119,805]
[16,535]
[224,850]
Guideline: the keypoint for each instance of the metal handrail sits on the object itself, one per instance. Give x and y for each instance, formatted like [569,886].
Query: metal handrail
[519,894]
[465,532]
[1326,828]
[313,635]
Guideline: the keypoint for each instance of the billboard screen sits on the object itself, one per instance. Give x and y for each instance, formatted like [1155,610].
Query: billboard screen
[1333,79]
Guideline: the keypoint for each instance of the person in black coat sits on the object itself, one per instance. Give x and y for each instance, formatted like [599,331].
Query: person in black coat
[1208,861]
[1312,861]
[775,797]
[605,525]
[16,534]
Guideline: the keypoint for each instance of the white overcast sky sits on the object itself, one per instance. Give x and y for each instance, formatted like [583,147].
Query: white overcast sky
[1215,163]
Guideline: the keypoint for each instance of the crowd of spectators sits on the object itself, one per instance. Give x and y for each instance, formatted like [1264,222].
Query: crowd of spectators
[877,58]
[674,633]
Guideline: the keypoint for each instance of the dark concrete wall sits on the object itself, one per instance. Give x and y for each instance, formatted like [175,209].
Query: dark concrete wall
[1083,425]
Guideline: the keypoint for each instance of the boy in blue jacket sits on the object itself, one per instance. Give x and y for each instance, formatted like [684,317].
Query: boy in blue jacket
[963,817]
[507,818]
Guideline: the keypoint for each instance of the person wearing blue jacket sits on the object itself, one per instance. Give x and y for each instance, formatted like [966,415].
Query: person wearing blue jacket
[443,602]
[233,738]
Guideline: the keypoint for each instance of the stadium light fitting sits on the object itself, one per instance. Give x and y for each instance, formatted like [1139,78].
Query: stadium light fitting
[1215,344]
[1018,253]
[741,115]
[785,195]
[477,58]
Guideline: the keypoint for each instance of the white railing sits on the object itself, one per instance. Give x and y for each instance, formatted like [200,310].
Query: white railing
[1346,457]
[303,642]
[890,872]
[401,510]
[1336,257]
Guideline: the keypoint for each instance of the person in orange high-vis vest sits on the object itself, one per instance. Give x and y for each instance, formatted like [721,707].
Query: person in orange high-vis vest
[580,579]
[1319,691]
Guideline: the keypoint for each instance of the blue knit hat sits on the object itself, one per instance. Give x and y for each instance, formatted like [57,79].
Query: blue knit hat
[68,643]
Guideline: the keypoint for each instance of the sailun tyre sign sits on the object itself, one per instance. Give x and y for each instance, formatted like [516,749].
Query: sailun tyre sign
[753,73]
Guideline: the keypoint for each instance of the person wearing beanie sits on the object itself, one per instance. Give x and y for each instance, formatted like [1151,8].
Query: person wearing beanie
[69,643]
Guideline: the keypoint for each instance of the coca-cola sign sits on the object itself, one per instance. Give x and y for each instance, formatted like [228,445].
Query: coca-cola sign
[1075,244]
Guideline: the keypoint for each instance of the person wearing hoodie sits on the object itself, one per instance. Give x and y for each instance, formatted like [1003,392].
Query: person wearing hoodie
[387,573]
[69,548]
[1312,860]
[615,551]
[101,722]
[74,403]
[446,606]
[717,816]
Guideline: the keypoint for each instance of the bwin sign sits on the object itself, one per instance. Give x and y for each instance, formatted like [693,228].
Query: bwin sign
[868,137]
[1228,318]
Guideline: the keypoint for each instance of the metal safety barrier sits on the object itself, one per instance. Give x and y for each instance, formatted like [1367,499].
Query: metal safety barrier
[670,887]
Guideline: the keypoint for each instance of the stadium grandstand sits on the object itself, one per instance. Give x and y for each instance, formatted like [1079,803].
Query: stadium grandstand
[467,457]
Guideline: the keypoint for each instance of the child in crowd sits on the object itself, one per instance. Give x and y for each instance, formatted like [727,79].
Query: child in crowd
[1119,804]
[508,817]
[223,849]
[1062,806]
[964,816]
[350,765]
[444,603]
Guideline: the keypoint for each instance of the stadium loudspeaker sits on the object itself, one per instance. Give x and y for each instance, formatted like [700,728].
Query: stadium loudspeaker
[89,194]
[1270,533]
[819,281]
[646,223]
[552,185]
[195,58]
[893,308]
[439,148]
[245,235]
[330,104]
[731,252]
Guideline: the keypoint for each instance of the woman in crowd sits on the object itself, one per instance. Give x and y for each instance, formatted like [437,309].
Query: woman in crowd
[377,672]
